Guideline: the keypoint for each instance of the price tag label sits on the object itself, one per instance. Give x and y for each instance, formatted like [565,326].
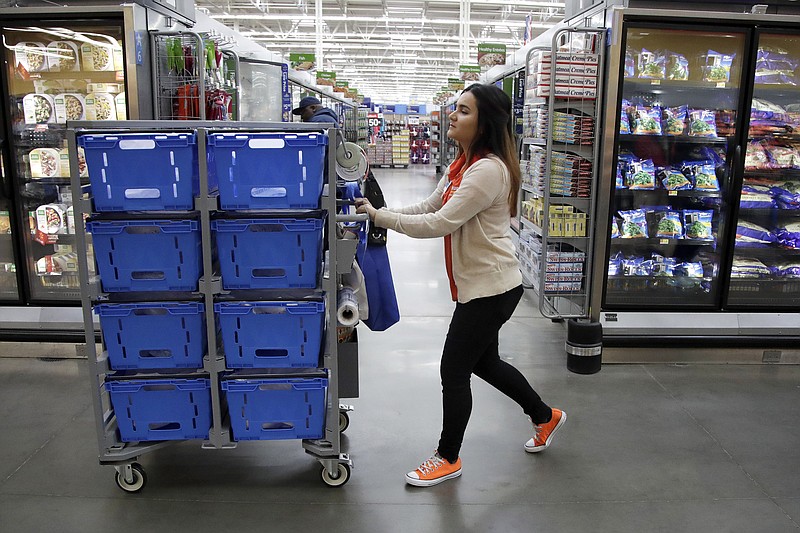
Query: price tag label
[673,193]
[663,241]
[721,85]
[655,82]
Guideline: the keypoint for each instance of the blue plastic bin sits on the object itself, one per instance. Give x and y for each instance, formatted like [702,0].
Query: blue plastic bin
[143,336]
[271,334]
[147,255]
[161,409]
[142,171]
[276,408]
[267,170]
[269,253]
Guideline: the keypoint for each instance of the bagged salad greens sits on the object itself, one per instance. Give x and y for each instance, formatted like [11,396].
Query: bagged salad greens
[677,66]
[673,179]
[717,66]
[703,174]
[614,228]
[646,120]
[624,118]
[669,225]
[693,269]
[697,224]
[674,120]
[615,264]
[634,224]
[652,65]
[641,175]
[702,123]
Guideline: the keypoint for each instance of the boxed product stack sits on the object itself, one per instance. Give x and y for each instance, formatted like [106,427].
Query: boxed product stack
[380,153]
[570,175]
[575,75]
[400,148]
[563,270]
[538,166]
[535,121]
[565,221]
[573,127]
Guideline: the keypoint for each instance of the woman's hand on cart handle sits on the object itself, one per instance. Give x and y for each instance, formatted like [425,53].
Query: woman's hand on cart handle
[363,206]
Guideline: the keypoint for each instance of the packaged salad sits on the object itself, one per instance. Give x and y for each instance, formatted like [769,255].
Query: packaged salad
[674,120]
[663,266]
[677,66]
[702,173]
[651,64]
[634,224]
[702,123]
[646,121]
[615,234]
[697,224]
[669,225]
[641,175]
[717,66]
[673,179]
[692,269]
[624,118]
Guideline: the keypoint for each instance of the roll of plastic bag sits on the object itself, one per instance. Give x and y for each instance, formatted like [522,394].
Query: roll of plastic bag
[347,308]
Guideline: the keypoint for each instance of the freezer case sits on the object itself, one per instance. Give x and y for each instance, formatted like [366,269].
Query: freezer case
[59,66]
[674,156]
[9,289]
[765,271]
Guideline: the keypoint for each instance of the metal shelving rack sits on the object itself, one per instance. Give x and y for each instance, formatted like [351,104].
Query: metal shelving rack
[552,234]
[338,259]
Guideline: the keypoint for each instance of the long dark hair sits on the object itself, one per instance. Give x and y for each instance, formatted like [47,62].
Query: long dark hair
[496,133]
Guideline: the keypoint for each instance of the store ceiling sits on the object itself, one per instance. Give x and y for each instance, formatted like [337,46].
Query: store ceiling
[398,51]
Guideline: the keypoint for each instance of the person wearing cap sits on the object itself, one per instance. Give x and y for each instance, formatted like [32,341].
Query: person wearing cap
[312,110]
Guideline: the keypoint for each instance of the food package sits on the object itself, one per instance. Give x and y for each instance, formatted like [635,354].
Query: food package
[669,225]
[674,120]
[69,106]
[717,66]
[121,106]
[702,123]
[747,267]
[702,173]
[651,65]
[677,67]
[63,56]
[70,220]
[119,60]
[51,219]
[45,163]
[641,175]
[697,224]
[749,234]
[624,118]
[97,57]
[57,263]
[634,224]
[31,56]
[5,223]
[38,109]
[673,179]
[113,88]
[100,106]
[776,66]
[646,121]
[630,63]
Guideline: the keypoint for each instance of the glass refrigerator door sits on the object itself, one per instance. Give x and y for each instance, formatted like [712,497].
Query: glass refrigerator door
[54,75]
[9,291]
[261,93]
[675,147]
[766,260]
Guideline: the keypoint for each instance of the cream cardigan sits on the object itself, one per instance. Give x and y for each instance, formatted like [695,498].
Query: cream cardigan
[477,218]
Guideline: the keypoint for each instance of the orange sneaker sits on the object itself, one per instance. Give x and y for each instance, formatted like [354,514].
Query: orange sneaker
[433,471]
[543,434]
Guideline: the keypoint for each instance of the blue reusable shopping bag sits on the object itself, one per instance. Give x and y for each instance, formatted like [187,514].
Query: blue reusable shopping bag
[374,262]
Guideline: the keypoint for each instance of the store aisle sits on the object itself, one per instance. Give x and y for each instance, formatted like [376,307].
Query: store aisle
[655,448]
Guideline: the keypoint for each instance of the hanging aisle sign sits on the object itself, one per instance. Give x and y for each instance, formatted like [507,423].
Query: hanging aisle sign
[455,84]
[303,61]
[490,54]
[326,78]
[470,72]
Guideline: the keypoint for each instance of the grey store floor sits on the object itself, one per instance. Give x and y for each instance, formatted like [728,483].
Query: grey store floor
[647,448]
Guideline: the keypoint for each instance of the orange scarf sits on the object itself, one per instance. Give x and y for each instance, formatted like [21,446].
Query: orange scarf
[455,174]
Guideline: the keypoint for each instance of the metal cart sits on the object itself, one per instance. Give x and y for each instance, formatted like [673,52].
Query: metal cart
[338,258]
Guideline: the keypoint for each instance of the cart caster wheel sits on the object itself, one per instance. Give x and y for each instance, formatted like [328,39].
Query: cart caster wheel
[338,481]
[139,479]
[344,421]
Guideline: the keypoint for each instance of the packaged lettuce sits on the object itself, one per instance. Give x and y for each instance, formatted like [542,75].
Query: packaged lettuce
[692,269]
[702,123]
[623,167]
[703,174]
[677,66]
[717,66]
[669,225]
[634,224]
[673,179]
[615,264]
[630,265]
[641,175]
[663,266]
[646,120]
[697,224]
[652,64]
[674,121]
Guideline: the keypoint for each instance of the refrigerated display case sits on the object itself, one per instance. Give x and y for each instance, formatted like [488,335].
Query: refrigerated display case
[698,177]
[261,89]
[73,63]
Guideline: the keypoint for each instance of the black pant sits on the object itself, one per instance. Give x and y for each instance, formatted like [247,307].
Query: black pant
[471,347]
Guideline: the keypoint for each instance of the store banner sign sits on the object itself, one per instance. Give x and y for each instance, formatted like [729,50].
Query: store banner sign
[470,72]
[342,83]
[326,78]
[303,61]
[490,54]
[286,95]
[455,84]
